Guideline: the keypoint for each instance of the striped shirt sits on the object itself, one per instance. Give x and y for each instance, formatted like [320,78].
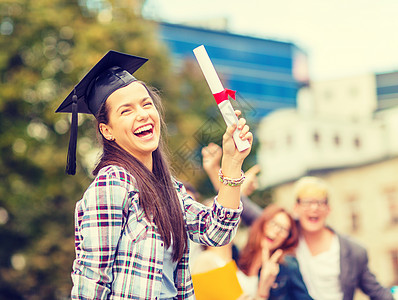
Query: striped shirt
[119,251]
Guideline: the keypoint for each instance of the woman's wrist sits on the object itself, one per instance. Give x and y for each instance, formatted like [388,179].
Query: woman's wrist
[233,182]
[231,167]
[262,297]
[264,294]
[211,168]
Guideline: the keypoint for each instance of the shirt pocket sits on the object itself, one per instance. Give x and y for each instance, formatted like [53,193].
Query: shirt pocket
[137,225]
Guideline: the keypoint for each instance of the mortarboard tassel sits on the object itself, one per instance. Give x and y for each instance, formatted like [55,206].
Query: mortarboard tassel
[71,160]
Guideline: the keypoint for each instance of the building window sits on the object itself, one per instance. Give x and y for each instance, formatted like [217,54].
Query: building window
[357,142]
[353,211]
[394,260]
[337,140]
[316,137]
[392,204]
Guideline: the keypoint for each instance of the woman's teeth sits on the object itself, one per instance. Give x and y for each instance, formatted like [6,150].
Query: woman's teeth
[143,130]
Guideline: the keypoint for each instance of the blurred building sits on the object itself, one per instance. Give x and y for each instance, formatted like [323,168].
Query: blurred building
[387,90]
[337,124]
[266,74]
[345,131]
[333,126]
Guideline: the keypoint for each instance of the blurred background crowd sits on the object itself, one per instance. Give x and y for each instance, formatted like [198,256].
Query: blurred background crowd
[343,130]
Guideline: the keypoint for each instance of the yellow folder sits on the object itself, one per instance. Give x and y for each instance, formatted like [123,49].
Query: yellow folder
[218,284]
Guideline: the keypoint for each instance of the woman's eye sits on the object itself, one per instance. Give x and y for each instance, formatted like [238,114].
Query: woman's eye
[124,111]
[148,104]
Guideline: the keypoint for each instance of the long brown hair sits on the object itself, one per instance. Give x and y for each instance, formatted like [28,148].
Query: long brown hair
[253,246]
[157,195]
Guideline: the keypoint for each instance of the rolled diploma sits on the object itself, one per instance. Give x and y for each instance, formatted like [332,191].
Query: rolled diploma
[227,111]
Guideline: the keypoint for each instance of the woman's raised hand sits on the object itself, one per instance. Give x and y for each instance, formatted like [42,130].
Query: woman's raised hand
[231,155]
[211,155]
[269,271]
[251,182]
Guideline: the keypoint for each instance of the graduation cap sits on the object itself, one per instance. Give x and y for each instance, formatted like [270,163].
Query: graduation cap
[111,73]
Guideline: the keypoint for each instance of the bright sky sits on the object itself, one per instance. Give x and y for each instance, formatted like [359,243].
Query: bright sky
[341,37]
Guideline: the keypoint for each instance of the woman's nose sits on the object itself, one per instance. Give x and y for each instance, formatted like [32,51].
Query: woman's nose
[142,114]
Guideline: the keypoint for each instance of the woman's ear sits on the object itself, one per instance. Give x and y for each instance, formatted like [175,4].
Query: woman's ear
[106,131]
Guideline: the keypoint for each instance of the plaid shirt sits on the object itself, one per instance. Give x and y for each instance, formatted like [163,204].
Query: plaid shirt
[119,252]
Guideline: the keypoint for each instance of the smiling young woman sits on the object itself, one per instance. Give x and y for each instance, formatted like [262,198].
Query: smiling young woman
[130,119]
[269,256]
[134,220]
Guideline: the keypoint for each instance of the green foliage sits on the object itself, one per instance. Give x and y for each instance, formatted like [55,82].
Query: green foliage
[47,47]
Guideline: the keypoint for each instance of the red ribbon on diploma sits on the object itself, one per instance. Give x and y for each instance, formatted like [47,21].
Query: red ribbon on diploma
[223,95]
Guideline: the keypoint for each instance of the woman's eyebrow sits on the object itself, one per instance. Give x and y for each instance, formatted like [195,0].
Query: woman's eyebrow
[123,105]
[129,104]
[146,98]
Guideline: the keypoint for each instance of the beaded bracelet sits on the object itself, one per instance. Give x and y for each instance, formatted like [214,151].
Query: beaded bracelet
[231,181]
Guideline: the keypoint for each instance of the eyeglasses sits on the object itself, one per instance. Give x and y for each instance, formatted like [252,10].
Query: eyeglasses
[307,204]
[281,230]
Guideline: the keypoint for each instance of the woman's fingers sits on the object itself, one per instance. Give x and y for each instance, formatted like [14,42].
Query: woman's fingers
[211,155]
[211,150]
[249,137]
[265,255]
[229,147]
[230,131]
[264,252]
[241,123]
[275,270]
[276,256]
[244,131]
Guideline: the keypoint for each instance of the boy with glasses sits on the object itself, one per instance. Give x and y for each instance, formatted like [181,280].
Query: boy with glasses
[332,265]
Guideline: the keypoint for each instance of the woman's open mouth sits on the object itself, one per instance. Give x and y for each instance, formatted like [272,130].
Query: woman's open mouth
[144,131]
[313,219]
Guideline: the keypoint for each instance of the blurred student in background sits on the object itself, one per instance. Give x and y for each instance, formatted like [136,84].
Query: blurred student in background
[268,259]
[268,269]
[333,266]
[219,256]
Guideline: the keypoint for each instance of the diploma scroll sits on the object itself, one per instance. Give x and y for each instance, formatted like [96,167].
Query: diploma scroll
[220,94]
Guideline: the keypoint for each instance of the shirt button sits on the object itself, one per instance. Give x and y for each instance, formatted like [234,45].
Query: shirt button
[229,215]
[161,244]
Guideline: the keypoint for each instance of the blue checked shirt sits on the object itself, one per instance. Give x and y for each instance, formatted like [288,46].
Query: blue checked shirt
[119,252]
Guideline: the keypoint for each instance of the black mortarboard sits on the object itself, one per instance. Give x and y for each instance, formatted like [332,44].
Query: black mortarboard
[111,73]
